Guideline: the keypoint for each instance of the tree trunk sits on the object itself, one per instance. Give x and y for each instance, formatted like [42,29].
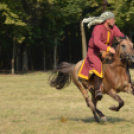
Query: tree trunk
[24,4]
[17,58]
[104,5]
[69,41]
[25,60]
[30,58]
[55,52]
[13,57]
[84,43]
[51,58]
[44,60]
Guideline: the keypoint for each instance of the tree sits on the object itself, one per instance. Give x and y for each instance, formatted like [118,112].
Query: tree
[38,34]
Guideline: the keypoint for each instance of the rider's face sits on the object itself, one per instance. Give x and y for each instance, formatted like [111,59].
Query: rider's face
[111,22]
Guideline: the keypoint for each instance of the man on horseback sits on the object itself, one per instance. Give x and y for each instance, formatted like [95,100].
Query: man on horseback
[101,39]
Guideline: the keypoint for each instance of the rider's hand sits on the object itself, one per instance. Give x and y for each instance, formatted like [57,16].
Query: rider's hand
[111,50]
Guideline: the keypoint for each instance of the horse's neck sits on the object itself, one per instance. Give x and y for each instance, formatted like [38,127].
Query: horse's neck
[117,60]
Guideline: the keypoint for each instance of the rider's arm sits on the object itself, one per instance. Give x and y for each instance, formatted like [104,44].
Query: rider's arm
[117,32]
[97,39]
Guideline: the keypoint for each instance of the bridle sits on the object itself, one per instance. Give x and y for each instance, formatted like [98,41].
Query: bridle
[125,57]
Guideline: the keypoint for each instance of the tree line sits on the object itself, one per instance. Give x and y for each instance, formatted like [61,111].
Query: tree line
[39,34]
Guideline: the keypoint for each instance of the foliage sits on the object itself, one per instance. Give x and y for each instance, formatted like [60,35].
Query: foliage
[37,23]
[124,12]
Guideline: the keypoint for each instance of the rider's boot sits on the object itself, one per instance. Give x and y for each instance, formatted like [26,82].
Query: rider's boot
[97,87]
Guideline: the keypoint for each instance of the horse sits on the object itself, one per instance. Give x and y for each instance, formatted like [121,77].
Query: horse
[115,78]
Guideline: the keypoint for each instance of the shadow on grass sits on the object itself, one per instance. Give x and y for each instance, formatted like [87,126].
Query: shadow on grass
[92,120]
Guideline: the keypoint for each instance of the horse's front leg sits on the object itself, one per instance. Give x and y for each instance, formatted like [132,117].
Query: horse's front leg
[116,97]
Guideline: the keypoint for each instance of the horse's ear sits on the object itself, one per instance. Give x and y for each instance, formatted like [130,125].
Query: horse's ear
[128,38]
[118,39]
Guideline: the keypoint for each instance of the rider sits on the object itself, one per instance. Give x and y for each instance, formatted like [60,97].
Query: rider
[101,39]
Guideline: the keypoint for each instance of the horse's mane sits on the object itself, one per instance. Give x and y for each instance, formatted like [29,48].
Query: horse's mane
[116,43]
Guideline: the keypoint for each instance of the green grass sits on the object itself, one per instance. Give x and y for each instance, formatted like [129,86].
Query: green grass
[28,105]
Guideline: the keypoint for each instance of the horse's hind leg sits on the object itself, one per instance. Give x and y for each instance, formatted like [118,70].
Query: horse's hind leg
[102,116]
[87,99]
[89,102]
[114,95]
[82,87]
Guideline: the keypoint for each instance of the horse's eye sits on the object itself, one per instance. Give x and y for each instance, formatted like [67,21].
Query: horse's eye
[123,46]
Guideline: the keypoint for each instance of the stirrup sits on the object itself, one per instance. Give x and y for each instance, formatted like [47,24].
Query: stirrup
[98,95]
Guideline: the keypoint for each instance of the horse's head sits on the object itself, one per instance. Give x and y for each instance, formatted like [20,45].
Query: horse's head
[125,48]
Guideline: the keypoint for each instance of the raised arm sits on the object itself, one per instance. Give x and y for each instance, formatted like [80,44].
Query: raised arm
[117,32]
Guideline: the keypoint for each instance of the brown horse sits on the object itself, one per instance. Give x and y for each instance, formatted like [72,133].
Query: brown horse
[115,78]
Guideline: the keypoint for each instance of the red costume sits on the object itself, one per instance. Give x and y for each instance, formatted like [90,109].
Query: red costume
[101,39]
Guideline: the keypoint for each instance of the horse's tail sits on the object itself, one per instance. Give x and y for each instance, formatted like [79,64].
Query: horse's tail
[61,76]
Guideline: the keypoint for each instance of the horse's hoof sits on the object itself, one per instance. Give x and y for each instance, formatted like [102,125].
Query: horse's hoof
[114,109]
[104,118]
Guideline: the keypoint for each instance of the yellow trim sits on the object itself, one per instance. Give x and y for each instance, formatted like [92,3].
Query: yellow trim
[79,74]
[108,48]
[90,72]
[108,37]
[96,72]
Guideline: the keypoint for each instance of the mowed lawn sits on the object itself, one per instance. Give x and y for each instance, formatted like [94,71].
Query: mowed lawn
[28,105]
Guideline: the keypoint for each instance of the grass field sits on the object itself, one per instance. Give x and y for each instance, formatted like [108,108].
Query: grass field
[28,105]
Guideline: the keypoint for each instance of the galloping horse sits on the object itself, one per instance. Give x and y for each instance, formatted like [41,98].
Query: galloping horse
[115,77]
